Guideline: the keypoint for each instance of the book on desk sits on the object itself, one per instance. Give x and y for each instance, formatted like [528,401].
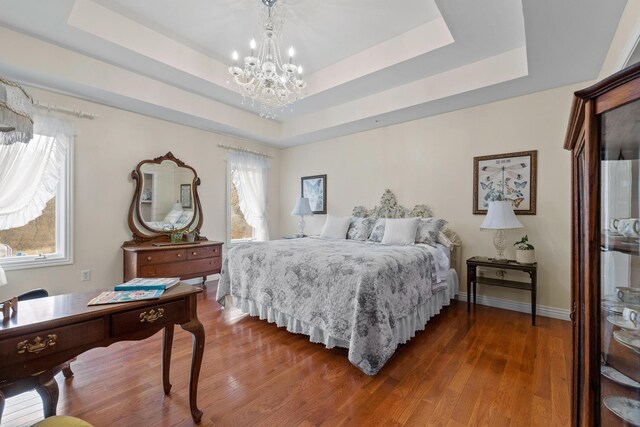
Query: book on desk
[137,289]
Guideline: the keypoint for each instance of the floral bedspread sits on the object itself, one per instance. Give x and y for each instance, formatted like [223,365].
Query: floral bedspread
[353,291]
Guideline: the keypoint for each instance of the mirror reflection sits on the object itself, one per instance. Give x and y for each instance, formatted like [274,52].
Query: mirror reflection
[166,200]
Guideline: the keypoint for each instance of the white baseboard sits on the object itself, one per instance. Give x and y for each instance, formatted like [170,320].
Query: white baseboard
[523,307]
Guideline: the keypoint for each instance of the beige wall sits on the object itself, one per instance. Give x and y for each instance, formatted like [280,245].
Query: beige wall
[106,150]
[431,161]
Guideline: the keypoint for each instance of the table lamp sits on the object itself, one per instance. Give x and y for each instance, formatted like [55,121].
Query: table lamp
[500,217]
[301,209]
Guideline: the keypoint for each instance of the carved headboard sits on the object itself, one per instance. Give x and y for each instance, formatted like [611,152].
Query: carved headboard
[389,208]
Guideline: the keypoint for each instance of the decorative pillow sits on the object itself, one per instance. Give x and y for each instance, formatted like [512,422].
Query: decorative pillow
[335,227]
[400,231]
[173,216]
[428,230]
[360,228]
[378,231]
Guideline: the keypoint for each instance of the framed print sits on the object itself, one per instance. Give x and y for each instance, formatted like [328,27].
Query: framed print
[185,196]
[510,176]
[315,189]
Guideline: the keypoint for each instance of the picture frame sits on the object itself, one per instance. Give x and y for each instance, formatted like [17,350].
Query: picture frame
[511,175]
[186,199]
[315,189]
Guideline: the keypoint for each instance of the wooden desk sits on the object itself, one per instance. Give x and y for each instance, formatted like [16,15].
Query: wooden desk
[472,278]
[49,331]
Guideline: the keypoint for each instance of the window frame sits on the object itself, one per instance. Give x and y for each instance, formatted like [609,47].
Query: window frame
[230,242]
[64,224]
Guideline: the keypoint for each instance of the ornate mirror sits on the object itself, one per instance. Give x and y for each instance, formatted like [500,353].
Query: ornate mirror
[165,200]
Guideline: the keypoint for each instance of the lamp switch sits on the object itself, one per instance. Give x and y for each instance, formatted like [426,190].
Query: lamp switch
[85,275]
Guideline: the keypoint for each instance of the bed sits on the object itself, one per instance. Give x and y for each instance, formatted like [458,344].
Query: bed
[363,296]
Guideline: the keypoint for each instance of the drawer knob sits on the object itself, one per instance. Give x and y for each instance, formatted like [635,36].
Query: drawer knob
[152,316]
[148,258]
[194,253]
[179,255]
[37,345]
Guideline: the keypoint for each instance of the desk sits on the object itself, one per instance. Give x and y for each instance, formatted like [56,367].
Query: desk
[472,278]
[49,331]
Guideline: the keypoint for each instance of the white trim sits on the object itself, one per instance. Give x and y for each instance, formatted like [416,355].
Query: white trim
[522,307]
[64,224]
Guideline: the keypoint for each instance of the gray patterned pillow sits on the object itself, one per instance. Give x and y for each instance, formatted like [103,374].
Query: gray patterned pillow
[360,228]
[378,231]
[428,230]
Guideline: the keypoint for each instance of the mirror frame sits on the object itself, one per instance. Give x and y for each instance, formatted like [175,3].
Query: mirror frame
[141,232]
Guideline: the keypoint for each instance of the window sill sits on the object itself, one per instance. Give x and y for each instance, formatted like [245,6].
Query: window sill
[15,263]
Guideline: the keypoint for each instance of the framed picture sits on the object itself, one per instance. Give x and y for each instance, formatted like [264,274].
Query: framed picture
[510,176]
[185,196]
[315,189]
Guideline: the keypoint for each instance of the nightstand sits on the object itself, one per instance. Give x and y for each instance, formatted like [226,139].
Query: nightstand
[472,278]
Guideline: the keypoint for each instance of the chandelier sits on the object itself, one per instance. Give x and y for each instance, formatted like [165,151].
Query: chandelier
[16,118]
[265,77]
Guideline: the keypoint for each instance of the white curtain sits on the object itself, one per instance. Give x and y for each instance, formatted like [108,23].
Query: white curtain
[249,173]
[29,173]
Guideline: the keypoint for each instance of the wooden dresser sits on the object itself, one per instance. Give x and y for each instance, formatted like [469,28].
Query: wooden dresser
[184,261]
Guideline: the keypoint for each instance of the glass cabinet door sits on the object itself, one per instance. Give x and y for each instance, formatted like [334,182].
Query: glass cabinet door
[620,266]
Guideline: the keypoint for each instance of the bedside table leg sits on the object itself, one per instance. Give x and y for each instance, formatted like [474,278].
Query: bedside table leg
[534,285]
[471,277]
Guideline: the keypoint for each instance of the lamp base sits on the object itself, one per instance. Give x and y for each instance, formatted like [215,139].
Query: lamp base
[301,226]
[500,243]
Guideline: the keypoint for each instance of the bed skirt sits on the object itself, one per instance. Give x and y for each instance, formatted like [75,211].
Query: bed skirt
[405,329]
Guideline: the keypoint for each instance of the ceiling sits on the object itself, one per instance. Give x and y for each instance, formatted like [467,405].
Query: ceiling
[368,63]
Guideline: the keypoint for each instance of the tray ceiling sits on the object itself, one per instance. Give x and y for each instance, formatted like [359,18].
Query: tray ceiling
[370,63]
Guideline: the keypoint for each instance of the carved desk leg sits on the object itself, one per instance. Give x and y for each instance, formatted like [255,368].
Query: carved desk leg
[471,277]
[49,393]
[167,343]
[197,330]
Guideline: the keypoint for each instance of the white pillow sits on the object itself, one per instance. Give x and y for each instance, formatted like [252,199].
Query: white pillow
[400,231]
[336,227]
[173,216]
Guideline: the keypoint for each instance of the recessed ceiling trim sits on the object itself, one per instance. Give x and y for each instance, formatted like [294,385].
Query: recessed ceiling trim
[101,22]
[490,71]
[419,41]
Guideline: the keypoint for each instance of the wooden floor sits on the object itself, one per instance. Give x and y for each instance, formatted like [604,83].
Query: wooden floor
[490,368]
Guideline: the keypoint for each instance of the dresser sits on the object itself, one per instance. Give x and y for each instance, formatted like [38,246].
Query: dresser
[186,261]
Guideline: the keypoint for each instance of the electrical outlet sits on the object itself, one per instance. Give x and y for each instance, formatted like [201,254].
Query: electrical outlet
[85,275]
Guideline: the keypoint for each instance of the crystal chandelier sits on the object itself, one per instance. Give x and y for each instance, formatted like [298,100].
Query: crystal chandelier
[16,117]
[265,77]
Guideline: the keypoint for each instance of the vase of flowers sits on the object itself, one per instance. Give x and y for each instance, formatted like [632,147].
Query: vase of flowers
[525,253]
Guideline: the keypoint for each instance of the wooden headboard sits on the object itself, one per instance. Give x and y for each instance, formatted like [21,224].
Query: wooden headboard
[389,208]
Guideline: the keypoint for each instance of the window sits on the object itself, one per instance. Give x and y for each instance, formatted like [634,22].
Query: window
[239,229]
[46,239]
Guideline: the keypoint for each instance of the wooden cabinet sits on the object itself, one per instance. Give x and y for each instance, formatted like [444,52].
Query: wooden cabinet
[604,137]
[184,261]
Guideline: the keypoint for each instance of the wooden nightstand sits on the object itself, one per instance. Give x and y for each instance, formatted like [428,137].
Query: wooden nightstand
[472,278]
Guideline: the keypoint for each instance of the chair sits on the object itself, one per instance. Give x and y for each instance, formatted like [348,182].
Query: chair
[43,382]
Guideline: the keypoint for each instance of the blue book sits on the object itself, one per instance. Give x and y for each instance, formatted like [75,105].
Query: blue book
[142,284]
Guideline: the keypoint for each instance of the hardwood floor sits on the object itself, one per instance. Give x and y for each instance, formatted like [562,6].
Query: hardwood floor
[488,368]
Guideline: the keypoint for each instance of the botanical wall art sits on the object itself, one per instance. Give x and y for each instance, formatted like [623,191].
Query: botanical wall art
[510,176]
[315,189]
[185,196]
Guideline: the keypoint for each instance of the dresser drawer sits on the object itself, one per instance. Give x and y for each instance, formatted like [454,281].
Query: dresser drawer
[161,257]
[142,318]
[49,341]
[203,252]
[184,268]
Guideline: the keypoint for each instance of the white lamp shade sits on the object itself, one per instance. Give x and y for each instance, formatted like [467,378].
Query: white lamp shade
[500,216]
[3,277]
[302,207]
